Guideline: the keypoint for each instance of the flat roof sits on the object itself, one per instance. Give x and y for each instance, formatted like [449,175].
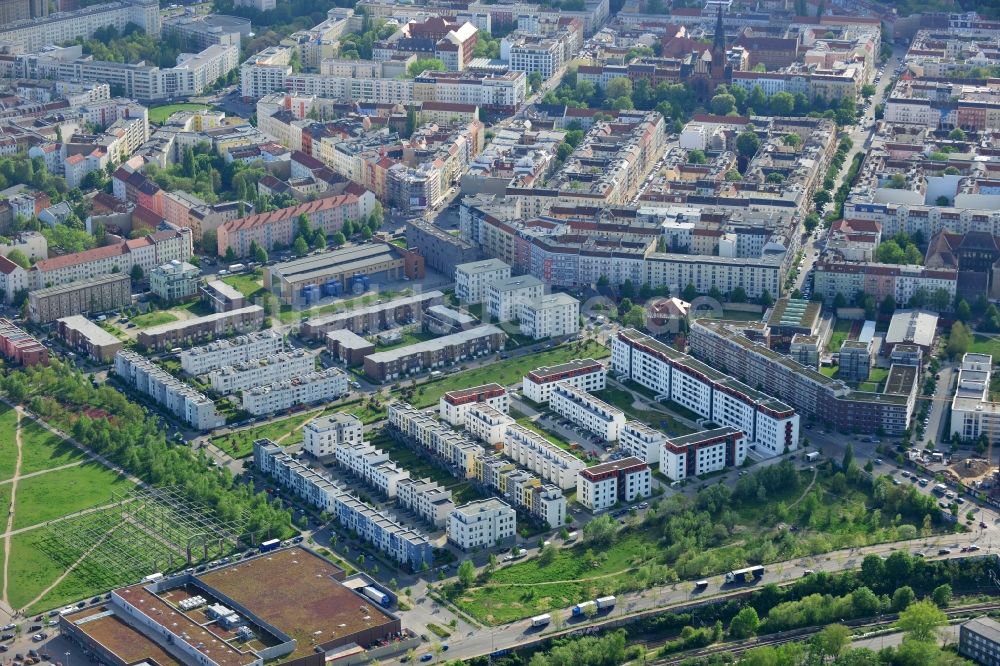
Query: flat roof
[94,333]
[226,290]
[436,343]
[105,628]
[187,323]
[375,307]
[794,312]
[615,465]
[474,390]
[912,326]
[295,590]
[542,373]
[483,266]
[348,339]
[900,379]
[702,435]
[344,260]
[96,281]
[516,282]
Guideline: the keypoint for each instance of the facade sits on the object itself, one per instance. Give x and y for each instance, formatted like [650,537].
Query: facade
[855,361]
[177,397]
[881,280]
[973,414]
[432,354]
[175,281]
[641,441]
[507,295]
[81,334]
[454,405]
[349,347]
[98,294]
[473,279]
[325,434]
[585,374]
[481,524]
[585,410]
[398,542]
[373,466]
[602,486]
[13,279]
[19,347]
[261,371]
[979,640]
[204,359]
[374,317]
[702,453]
[318,386]
[487,424]
[550,316]
[222,297]
[199,329]
[31,35]
[768,423]
[537,454]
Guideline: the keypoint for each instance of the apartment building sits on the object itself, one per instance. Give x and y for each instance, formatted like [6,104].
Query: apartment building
[702,453]
[200,329]
[185,210]
[372,465]
[81,334]
[32,35]
[881,280]
[585,374]
[433,354]
[979,640]
[533,54]
[454,405]
[375,317]
[19,347]
[537,454]
[550,316]
[214,355]
[481,524]
[973,414]
[175,281]
[603,486]
[99,294]
[318,386]
[506,296]
[487,424]
[585,410]
[641,441]
[187,404]
[260,371]
[398,542]
[427,499]
[322,436]
[768,423]
[13,279]
[473,279]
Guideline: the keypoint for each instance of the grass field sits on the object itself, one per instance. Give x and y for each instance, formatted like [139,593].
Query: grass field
[48,496]
[154,318]
[507,372]
[982,344]
[239,444]
[8,445]
[159,114]
[840,332]
[249,284]
[43,450]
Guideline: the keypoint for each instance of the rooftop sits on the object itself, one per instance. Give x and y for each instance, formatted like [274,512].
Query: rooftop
[437,343]
[129,645]
[109,278]
[624,465]
[343,260]
[94,333]
[703,435]
[487,265]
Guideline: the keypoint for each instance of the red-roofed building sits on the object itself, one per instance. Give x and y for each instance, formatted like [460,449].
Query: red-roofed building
[13,278]
[19,347]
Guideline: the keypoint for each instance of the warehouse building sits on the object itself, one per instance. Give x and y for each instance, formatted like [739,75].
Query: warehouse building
[200,329]
[369,319]
[85,336]
[98,294]
[214,355]
[306,280]
[319,386]
[433,354]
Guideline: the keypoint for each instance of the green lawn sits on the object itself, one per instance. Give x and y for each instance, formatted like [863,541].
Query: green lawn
[982,344]
[829,370]
[840,331]
[526,422]
[507,372]
[408,338]
[47,496]
[8,445]
[239,444]
[654,418]
[154,318]
[159,114]
[249,284]
[43,450]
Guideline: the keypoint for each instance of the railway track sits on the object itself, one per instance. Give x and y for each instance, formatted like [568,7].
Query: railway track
[780,638]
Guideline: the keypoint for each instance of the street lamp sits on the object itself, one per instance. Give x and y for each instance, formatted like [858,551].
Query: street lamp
[67,657]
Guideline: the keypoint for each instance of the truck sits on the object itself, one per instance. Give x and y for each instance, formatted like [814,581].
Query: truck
[269,545]
[604,603]
[740,575]
[152,578]
[701,585]
[812,456]
[940,489]
[582,609]
[541,620]
[378,596]
[237,268]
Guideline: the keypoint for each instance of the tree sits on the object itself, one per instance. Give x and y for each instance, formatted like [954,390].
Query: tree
[738,295]
[832,640]
[723,104]
[821,198]
[775,177]
[942,593]
[318,240]
[747,144]
[338,239]
[782,104]
[421,65]
[848,459]
[230,254]
[136,273]
[535,81]
[942,201]
[902,598]
[690,292]
[839,300]
[793,140]
[300,247]
[962,311]
[888,305]
[745,623]
[733,176]
[957,134]
[635,317]
[600,530]
[959,340]
[19,258]
[619,86]
[257,252]
[209,243]
[920,620]
[466,573]
[765,298]
[697,157]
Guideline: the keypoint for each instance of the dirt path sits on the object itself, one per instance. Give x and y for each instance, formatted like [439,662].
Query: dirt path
[60,519]
[806,491]
[10,511]
[44,471]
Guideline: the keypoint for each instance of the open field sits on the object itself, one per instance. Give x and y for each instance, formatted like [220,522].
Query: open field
[154,318]
[56,494]
[982,344]
[159,114]
[506,372]
[8,446]
[43,450]
[840,332]
[239,444]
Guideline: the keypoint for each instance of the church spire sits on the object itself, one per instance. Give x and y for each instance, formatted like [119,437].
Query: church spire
[719,46]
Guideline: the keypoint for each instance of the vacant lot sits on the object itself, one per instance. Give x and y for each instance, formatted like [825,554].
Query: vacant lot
[159,114]
[982,344]
[56,494]
[287,431]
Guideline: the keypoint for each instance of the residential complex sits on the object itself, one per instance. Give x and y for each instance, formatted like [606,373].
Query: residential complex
[316,386]
[166,390]
[200,329]
[85,336]
[702,453]
[585,410]
[585,374]
[974,415]
[175,281]
[603,486]
[323,435]
[537,454]
[549,316]
[19,347]
[260,371]
[98,294]
[454,405]
[641,441]
[437,353]
[506,296]
[242,348]
[472,280]
[481,524]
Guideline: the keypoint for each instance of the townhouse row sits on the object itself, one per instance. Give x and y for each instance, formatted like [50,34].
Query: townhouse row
[317,386]
[177,397]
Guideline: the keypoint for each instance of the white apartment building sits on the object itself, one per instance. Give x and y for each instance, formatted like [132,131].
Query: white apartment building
[13,279]
[321,386]
[602,486]
[526,54]
[259,371]
[702,452]
[640,441]
[550,316]
[180,399]
[585,374]
[202,360]
[31,35]
[769,424]
[973,415]
[587,411]
[472,279]
[454,405]
[427,499]
[537,454]
[324,435]
[487,424]
[505,296]
[481,524]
